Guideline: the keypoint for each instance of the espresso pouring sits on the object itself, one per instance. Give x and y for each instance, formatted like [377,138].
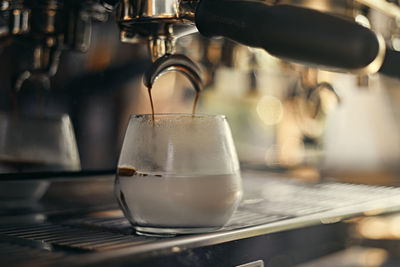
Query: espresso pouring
[196,98]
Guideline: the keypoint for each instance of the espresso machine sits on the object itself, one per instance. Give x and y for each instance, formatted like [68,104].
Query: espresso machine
[50,27]
[65,214]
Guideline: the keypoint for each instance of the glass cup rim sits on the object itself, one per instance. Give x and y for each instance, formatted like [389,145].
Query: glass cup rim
[177,115]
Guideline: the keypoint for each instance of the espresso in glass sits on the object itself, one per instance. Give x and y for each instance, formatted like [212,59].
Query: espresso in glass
[178,173]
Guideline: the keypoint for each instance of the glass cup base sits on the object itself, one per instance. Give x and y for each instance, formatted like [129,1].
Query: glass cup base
[165,232]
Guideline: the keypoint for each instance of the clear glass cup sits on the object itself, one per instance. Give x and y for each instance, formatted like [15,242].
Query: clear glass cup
[34,144]
[31,144]
[178,174]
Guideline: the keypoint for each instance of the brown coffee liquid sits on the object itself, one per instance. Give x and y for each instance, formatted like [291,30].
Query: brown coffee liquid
[196,99]
[129,171]
[151,103]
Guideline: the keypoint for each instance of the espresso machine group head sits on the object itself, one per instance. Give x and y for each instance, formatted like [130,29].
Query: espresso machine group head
[160,24]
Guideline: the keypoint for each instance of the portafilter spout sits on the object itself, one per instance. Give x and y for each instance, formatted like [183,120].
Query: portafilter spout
[178,63]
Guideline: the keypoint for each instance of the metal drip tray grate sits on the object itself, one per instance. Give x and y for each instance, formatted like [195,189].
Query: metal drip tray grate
[269,205]
[39,244]
[69,238]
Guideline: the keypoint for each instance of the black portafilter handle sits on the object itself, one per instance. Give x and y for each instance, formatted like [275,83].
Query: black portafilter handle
[294,33]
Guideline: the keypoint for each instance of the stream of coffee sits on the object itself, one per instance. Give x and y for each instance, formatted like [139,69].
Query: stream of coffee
[151,103]
[196,99]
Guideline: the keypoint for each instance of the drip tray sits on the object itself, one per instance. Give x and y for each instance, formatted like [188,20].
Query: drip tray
[270,206]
